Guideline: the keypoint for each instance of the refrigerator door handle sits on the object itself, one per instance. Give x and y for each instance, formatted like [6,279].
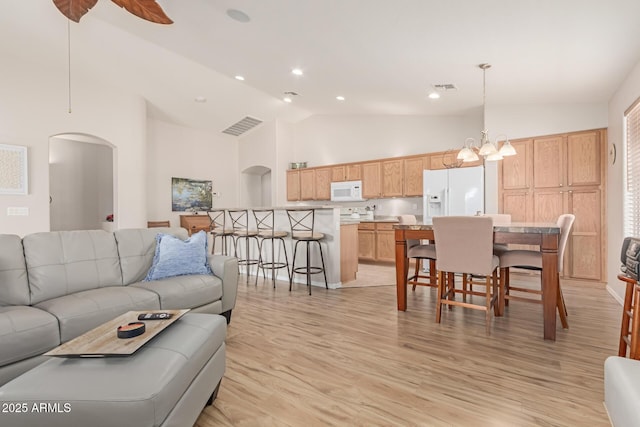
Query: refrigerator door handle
[445,202]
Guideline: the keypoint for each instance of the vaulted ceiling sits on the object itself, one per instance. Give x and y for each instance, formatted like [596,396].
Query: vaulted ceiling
[382,56]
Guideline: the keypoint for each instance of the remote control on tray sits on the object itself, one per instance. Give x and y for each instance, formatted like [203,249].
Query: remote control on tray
[154,316]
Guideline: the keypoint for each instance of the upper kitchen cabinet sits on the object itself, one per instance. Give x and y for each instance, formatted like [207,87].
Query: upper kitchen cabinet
[548,162]
[584,161]
[293,185]
[351,172]
[413,172]
[307,184]
[516,171]
[371,180]
[392,177]
[323,183]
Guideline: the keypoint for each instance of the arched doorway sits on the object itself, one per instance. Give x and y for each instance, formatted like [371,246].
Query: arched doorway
[256,191]
[81,182]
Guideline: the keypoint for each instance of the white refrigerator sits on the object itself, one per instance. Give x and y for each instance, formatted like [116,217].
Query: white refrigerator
[457,191]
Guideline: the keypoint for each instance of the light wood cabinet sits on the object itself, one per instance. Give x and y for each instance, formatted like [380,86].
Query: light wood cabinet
[348,252]
[371,180]
[195,223]
[346,173]
[385,242]
[586,241]
[367,241]
[583,158]
[392,177]
[293,185]
[307,184]
[377,241]
[517,170]
[567,175]
[548,162]
[413,173]
[322,183]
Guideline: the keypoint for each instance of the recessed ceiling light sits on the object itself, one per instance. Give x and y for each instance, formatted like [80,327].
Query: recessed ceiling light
[434,95]
[287,99]
[200,99]
[297,71]
[340,98]
[238,15]
[240,78]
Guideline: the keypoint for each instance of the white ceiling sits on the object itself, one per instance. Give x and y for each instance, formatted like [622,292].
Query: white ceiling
[382,56]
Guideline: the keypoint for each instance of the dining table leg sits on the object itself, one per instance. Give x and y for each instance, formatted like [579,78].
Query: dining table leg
[402,270]
[550,280]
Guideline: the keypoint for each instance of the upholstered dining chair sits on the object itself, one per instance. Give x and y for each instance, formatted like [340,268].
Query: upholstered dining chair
[532,260]
[465,245]
[418,252]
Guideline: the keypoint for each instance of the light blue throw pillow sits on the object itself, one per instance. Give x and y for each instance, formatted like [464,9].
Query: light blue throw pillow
[177,257]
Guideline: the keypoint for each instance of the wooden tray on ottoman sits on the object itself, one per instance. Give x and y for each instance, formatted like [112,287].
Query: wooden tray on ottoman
[103,340]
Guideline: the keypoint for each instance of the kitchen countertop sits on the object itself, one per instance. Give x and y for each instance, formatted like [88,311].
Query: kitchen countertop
[364,219]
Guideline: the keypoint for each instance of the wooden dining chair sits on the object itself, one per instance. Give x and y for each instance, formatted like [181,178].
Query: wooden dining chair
[465,245]
[418,252]
[532,260]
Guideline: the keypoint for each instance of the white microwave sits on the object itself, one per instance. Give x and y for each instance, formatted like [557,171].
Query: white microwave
[346,191]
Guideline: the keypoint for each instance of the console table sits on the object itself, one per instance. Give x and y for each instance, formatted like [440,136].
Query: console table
[195,223]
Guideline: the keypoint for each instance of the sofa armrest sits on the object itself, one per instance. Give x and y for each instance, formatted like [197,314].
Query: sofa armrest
[226,268]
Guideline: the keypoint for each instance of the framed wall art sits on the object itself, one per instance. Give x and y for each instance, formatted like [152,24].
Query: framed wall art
[190,195]
[13,169]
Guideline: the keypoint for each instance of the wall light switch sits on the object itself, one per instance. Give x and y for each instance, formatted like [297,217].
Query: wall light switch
[18,211]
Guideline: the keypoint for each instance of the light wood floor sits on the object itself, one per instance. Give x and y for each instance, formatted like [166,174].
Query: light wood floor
[347,357]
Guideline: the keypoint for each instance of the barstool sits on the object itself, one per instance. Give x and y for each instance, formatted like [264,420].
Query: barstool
[240,225]
[265,221]
[218,229]
[302,223]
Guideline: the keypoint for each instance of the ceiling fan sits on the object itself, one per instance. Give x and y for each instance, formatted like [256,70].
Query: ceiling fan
[145,9]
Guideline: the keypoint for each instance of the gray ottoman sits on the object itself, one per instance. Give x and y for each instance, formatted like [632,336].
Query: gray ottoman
[166,383]
[622,391]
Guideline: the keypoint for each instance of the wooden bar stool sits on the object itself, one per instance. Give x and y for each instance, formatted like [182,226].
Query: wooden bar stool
[265,223]
[302,222]
[630,328]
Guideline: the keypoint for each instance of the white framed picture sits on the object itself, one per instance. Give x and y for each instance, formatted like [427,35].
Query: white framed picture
[13,169]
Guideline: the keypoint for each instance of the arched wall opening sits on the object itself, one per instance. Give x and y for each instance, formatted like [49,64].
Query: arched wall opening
[81,182]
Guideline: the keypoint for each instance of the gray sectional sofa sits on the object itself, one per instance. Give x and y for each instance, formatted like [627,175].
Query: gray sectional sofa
[55,286]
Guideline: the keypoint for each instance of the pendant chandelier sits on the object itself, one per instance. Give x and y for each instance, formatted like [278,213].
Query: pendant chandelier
[487,149]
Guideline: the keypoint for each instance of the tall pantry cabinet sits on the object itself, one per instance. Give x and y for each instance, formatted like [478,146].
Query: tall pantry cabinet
[557,174]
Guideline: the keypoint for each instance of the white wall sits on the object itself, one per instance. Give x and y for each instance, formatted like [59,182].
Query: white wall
[324,140]
[33,107]
[182,152]
[626,94]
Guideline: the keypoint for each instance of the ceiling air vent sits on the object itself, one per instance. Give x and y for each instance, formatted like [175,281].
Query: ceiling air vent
[242,126]
[445,86]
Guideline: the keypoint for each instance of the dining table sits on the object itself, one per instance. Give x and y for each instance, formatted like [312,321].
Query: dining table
[546,236]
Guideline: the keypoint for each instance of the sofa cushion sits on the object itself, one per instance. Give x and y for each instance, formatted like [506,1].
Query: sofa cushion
[82,311]
[14,287]
[137,248]
[178,257]
[63,262]
[26,332]
[184,291]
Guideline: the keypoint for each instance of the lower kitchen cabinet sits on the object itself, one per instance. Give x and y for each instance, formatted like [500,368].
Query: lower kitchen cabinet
[376,241]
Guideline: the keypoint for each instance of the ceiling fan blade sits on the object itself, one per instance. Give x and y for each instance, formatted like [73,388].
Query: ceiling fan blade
[74,9]
[145,9]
